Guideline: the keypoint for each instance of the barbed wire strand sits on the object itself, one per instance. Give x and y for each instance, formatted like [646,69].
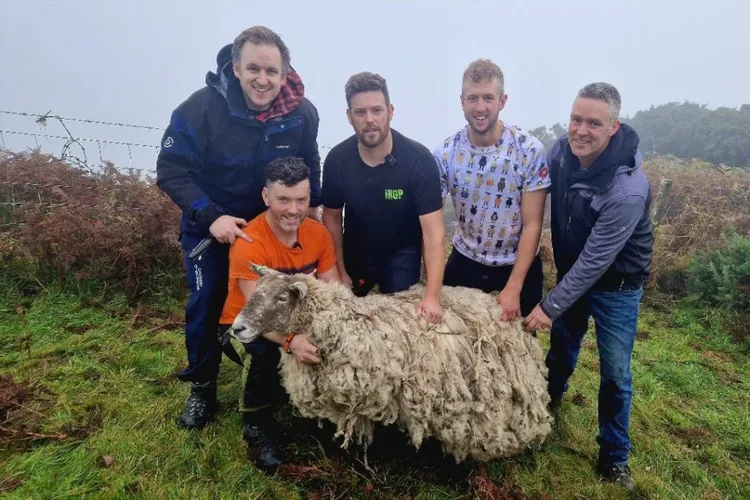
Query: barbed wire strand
[44,117]
[70,140]
[102,141]
[81,120]
[58,205]
[85,139]
[47,185]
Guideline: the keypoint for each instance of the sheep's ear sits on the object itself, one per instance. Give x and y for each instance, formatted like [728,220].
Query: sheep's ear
[299,288]
[261,270]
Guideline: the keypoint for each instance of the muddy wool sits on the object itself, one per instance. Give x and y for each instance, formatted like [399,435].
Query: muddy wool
[475,383]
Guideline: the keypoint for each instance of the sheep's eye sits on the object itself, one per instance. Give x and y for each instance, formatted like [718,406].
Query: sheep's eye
[284,297]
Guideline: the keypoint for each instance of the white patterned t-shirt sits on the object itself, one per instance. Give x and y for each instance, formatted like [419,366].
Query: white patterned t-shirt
[485,185]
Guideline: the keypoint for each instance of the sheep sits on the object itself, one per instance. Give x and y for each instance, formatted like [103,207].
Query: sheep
[472,381]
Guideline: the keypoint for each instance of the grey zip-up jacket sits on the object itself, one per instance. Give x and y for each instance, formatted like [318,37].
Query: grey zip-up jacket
[602,236]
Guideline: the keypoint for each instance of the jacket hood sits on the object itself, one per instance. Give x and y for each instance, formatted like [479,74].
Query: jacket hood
[219,81]
[621,155]
[228,86]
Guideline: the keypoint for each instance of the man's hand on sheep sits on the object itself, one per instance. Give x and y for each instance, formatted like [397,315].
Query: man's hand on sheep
[226,229]
[431,309]
[536,320]
[345,278]
[303,350]
[510,301]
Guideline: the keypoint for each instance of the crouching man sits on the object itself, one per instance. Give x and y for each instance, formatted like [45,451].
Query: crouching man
[285,240]
[602,240]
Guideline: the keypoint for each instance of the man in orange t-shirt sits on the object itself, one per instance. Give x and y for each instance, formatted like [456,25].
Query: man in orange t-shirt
[285,240]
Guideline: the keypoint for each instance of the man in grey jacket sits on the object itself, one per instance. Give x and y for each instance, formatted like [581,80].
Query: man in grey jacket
[602,241]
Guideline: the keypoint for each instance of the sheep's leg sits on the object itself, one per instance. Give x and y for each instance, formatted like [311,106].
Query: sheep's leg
[364,462]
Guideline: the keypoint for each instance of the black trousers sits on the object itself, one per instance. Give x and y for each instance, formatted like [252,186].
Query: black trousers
[462,271]
[262,391]
[392,274]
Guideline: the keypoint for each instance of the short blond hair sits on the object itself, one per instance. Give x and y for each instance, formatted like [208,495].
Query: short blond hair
[484,70]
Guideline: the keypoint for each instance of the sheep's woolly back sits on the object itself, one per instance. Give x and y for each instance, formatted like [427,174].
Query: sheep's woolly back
[475,383]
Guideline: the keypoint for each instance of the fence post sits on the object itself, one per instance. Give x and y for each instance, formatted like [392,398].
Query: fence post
[660,207]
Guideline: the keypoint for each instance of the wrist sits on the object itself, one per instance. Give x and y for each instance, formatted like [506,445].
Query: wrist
[513,286]
[288,342]
[207,216]
[544,306]
[342,271]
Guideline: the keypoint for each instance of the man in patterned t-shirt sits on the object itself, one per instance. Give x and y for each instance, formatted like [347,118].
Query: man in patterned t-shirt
[497,177]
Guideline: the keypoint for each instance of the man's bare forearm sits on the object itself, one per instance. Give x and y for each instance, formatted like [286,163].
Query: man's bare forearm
[532,215]
[333,222]
[275,337]
[527,249]
[434,258]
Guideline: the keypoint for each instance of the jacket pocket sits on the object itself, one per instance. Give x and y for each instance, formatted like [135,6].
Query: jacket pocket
[285,138]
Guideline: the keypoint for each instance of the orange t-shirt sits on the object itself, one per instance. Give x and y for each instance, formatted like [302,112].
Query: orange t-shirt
[313,255]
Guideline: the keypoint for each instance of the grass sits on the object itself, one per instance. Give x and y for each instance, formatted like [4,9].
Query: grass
[91,405]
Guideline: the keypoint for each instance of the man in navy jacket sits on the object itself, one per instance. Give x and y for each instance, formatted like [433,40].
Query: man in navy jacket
[602,241]
[211,164]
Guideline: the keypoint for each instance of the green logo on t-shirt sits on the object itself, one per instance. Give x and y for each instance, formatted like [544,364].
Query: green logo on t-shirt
[394,194]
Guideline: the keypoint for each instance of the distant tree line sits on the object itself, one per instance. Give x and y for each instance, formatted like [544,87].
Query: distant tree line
[685,130]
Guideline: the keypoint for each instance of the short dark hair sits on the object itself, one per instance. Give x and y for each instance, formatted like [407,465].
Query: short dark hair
[287,170]
[260,35]
[365,82]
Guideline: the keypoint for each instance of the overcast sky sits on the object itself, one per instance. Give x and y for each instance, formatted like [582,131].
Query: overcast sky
[135,61]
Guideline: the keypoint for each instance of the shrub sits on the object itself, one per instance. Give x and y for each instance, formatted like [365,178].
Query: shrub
[114,228]
[704,201]
[721,277]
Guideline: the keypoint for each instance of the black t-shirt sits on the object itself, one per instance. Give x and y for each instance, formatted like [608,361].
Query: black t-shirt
[381,204]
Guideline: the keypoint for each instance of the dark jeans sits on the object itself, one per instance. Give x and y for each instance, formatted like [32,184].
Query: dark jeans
[615,314]
[394,273]
[261,383]
[462,271]
[207,277]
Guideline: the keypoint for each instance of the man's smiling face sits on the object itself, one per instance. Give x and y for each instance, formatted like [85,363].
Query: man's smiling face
[259,71]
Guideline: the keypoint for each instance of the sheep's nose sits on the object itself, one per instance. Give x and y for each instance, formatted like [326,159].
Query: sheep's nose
[237,329]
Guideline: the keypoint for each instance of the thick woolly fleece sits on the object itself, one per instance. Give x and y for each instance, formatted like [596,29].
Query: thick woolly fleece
[474,382]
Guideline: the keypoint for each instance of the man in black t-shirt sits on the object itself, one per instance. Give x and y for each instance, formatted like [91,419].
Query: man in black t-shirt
[382,201]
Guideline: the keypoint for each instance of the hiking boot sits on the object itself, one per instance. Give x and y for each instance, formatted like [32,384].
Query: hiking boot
[618,474]
[262,445]
[200,406]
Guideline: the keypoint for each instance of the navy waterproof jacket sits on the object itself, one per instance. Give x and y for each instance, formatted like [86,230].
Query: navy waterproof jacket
[602,235]
[214,151]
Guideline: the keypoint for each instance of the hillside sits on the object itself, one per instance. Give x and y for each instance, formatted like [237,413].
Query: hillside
[92,342]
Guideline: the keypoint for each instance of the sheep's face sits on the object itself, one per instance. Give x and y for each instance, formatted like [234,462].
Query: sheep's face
[270,307]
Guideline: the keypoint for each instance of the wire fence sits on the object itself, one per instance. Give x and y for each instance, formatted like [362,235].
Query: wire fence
[44,117]
[77,148]
[74,146]
[107,149]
